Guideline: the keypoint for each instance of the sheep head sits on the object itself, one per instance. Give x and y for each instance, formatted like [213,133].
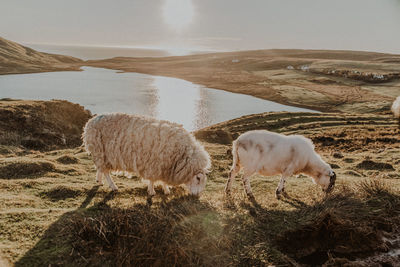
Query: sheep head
[197,183]
[326,180]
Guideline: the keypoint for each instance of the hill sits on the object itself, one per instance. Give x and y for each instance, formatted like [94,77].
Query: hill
[325,80]
[16,58]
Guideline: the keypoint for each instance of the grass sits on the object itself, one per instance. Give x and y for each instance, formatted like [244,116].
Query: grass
[60,217]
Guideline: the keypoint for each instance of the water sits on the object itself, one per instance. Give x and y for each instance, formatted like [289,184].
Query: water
[102,91]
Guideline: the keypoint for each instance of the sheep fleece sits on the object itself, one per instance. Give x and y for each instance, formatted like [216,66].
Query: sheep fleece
[154,149]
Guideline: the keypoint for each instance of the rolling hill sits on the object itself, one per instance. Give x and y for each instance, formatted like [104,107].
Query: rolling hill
[16,58]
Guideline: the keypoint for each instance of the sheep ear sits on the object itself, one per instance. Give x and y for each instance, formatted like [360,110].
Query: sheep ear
[200,174]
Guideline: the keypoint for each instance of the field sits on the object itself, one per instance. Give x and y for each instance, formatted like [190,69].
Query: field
[52,212]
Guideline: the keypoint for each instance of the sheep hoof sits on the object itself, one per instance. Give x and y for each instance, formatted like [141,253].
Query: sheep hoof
[251,196]
[167,192]
[114,188]
[278,195]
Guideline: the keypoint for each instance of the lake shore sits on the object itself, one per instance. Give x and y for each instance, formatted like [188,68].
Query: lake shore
[324,80]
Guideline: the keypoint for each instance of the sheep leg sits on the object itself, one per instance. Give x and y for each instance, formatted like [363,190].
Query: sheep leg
[99,177]
[150,188]
[110,181]
[165,188]
[281,187]
[246,184]
[232,174]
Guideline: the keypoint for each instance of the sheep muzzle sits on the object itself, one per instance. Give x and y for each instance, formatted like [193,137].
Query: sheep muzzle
[331,182]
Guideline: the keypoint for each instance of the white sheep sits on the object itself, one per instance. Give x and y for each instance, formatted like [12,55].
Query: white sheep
[396,107]
[269,153]
[154,149]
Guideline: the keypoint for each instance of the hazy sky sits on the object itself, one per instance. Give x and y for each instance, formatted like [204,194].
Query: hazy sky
[206,24]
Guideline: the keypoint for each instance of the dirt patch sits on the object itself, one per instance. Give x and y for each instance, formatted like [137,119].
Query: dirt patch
[334,166]
[214,136]
[67,159]
[24,169]
[60,193]
[331,230]
[312,243]
[372,165]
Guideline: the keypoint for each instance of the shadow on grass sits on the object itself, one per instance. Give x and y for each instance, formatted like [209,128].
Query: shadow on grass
[177,231]
[184,231]
[349,225]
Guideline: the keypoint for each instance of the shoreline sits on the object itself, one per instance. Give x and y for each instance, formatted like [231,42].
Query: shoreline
[327,81]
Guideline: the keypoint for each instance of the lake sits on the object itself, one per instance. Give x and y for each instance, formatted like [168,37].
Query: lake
[102,91]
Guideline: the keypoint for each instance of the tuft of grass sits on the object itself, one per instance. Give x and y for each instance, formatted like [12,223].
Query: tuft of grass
[372,165]
[67,159]
[22,169]
[181,232]
[60,193]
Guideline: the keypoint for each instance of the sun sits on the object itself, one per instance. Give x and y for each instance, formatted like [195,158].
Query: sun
[178,14]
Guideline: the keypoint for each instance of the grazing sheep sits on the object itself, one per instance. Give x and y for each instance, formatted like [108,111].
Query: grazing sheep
[153,149]
[270,153]
[396,108]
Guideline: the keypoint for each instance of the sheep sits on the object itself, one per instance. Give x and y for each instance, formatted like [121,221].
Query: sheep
[269,153]
[154,149]
[396,108]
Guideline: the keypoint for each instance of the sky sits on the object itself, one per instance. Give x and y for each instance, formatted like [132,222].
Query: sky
[218,25]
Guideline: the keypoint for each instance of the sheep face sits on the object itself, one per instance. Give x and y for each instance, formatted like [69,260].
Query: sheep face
[197,184]
[327,181]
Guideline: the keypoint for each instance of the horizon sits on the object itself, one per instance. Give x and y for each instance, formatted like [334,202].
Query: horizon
[363,25]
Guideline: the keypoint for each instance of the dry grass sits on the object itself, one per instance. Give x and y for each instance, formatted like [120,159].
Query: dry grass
[60,218]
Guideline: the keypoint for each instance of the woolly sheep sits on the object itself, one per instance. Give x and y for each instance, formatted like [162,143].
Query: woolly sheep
[154,149]
[396,107]
[269,153]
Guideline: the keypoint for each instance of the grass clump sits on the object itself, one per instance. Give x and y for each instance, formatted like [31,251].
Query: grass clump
[60,193]
[183,232]
[23,169]
[67,159]
[372,165]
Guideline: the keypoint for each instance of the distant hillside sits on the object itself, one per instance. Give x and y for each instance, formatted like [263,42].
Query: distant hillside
[15,58]
[325,80]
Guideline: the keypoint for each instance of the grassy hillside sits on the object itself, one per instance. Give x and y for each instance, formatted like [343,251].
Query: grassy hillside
[15,58]
[326,80]
[53,213]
